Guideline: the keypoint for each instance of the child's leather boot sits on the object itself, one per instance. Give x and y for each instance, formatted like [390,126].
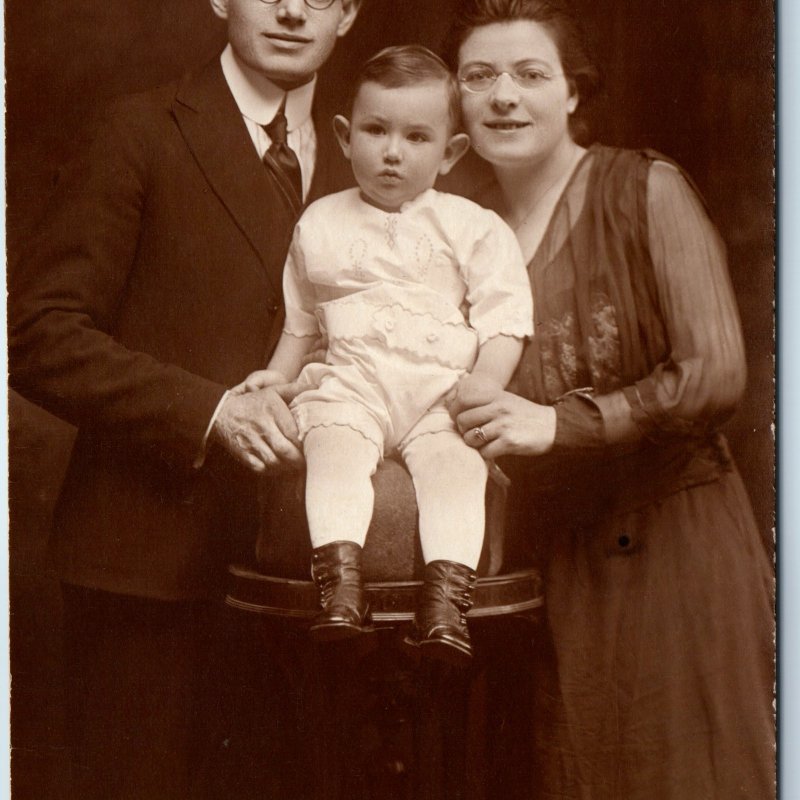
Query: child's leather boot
[336,570]
[441,629]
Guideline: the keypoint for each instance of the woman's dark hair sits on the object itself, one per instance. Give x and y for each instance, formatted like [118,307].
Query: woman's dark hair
[555,15]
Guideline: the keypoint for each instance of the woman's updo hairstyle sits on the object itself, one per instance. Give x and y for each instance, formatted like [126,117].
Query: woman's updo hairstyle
[561,23]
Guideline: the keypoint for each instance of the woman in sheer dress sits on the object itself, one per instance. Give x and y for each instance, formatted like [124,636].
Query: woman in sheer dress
[655,679]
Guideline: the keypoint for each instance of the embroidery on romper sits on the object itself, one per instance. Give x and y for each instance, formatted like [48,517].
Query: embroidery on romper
[357,252]
[391,230]
[423,255]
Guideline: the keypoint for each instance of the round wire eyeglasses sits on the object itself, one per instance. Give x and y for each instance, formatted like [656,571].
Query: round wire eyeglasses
[481,79]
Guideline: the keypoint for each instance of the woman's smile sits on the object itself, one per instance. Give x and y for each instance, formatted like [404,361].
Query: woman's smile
[508,125]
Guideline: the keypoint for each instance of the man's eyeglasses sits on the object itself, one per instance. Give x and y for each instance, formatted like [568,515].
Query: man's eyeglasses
[481,79]
[317,5]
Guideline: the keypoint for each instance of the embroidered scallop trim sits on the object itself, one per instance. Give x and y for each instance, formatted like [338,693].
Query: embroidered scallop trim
[296,335]
[318,413]
[359,299]
[310,426]
[516,328]
[412,436]
[421,334]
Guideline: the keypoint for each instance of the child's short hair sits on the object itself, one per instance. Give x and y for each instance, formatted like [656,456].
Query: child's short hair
[410,65]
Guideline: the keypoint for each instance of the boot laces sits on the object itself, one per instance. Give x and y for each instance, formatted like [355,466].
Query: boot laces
[452,592]
[331,577]
[327,579]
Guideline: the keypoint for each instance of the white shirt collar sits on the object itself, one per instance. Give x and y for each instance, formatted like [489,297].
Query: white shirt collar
[259,99]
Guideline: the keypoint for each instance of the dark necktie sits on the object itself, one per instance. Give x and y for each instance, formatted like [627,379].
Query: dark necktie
[281,155]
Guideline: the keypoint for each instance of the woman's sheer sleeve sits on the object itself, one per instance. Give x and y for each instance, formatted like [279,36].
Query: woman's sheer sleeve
[704,375]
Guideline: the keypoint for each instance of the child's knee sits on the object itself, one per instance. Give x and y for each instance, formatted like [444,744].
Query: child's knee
[341,449]
[445,454]
[469,464]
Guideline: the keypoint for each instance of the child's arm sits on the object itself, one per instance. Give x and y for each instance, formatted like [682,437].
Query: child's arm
[287,360]
[500,304]
[284,366]
[301,334]
[497,359]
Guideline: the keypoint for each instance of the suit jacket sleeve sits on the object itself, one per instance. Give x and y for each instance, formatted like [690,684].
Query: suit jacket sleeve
[63,353]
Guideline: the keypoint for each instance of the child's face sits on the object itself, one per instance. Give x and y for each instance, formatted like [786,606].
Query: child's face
[399,140]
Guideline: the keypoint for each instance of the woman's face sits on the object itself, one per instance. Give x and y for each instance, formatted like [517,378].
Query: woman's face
[510,125]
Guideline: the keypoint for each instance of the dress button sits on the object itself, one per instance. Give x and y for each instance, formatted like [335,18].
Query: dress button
[389,325]
[432,337]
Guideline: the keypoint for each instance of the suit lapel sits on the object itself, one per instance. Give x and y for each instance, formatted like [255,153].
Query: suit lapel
[212,126]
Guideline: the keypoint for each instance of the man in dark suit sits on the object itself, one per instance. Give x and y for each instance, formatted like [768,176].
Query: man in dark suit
[154,285]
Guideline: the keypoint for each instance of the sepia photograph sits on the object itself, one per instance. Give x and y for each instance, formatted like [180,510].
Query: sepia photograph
[391,399]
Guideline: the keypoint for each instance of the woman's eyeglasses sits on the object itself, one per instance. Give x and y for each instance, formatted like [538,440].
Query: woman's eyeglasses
[317,5]
[481,79]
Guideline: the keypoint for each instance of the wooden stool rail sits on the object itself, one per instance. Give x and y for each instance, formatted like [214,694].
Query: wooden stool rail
[391,602]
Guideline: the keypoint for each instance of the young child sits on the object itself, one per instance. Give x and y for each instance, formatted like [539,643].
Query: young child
[419,294]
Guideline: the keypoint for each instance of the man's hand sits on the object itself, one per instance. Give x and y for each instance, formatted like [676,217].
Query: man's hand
[258,430]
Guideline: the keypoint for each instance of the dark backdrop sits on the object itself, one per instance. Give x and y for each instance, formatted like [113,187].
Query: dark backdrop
[692,78]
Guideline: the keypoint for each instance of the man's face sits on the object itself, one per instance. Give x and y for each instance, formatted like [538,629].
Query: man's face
[287,41]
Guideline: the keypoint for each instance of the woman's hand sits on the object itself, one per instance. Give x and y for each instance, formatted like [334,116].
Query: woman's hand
[508,425]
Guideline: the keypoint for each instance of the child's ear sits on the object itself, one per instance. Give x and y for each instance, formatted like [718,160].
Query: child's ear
[341,127]
[456,147]
[220,8]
